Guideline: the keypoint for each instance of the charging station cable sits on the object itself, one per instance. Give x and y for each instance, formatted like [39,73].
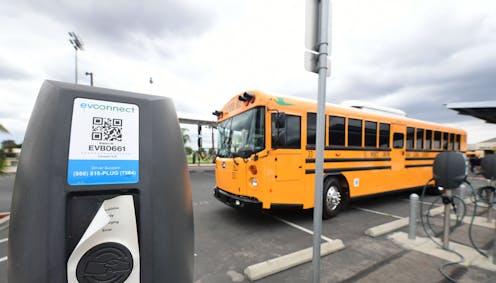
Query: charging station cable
[476,198]
[424,226]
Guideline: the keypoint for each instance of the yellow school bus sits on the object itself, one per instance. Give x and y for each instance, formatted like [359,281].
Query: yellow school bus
[266,152]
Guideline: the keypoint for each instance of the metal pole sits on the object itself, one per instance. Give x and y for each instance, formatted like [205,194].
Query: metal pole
[412,225]
[75,67]
[213,142]
[490,208]
[461,194]
[493,249]
[492,253]
[319,159]
[91,77]
[448,194]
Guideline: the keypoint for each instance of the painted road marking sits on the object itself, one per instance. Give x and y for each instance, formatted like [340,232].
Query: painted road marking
[308,231]
[377,212]
[3,259]
[278,264]
[4,240]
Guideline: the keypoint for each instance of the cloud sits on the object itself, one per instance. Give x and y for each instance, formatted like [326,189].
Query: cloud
[120,19]
[127,26]
[415,56]
[9,72]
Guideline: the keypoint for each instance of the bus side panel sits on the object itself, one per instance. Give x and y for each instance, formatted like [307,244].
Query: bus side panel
[290,186]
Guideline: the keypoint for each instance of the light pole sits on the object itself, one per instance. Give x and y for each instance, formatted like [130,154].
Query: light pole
[77,43]
[91,77]
[151,84]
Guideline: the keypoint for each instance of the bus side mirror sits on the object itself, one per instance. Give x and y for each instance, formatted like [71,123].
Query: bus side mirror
[280,120]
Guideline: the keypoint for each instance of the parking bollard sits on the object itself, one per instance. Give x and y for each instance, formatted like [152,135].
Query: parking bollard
[412,225]
[448,195]
[461,195]
[490,208]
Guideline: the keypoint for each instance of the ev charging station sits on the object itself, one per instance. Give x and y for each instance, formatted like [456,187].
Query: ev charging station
[449,172]
[102,191]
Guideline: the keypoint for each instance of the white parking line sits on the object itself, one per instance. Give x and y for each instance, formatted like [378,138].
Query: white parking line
[3,259]
[4,240]
[278,264]
[308,231]
[377,212]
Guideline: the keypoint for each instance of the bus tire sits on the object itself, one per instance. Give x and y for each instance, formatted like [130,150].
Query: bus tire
[334,198]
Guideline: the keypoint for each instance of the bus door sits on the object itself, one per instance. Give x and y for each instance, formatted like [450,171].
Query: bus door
[288,156]
[398,151]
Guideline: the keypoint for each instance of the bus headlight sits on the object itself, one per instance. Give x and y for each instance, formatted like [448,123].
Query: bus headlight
[254,182]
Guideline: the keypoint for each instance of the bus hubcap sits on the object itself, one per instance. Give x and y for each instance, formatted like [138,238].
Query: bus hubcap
[333,197]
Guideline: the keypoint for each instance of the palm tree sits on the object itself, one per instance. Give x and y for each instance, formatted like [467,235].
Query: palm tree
[186,137]
[3,129]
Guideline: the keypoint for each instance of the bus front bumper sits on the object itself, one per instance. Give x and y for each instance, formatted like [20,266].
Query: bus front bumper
[235,200]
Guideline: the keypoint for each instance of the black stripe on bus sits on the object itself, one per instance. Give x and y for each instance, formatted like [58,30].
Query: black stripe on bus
[424,150]
[420,158]
[339,147]
[312,160]
[418,165]
[338,170]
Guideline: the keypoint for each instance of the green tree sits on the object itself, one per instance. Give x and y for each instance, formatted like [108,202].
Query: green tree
[9,144]
[188,150]
[2,153]
[186,137]
[3,129]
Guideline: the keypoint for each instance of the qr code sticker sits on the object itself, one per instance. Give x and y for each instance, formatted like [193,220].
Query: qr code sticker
[106,129]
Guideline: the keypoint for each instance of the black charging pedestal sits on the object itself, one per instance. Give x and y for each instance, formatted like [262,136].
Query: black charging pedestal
[488,170]
[102,191]
[449,172]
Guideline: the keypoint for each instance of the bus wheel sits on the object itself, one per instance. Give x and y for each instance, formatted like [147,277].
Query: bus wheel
[334,198]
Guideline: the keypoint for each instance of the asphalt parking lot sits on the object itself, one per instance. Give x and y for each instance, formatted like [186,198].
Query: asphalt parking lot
[229,240]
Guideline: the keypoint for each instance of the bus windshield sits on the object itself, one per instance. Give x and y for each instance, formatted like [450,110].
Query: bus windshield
[242,135]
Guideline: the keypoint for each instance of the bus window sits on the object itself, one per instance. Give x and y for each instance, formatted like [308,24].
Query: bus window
[336,130]
[437,140]
[420,139]
[428,139]
[457,143]
[354,132]
[370,134]
[384,135]
[410,137]
[311,128]
[445,141]
[451,141]
[288,136]
[398,140]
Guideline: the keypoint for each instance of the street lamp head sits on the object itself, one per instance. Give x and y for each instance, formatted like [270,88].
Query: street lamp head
[76,42]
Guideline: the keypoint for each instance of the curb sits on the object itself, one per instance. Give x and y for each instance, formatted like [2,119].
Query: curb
[388,227]
[4,221]
[278,264]
[426,246]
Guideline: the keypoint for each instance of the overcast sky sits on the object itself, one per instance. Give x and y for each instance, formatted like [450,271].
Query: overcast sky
[409,54]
